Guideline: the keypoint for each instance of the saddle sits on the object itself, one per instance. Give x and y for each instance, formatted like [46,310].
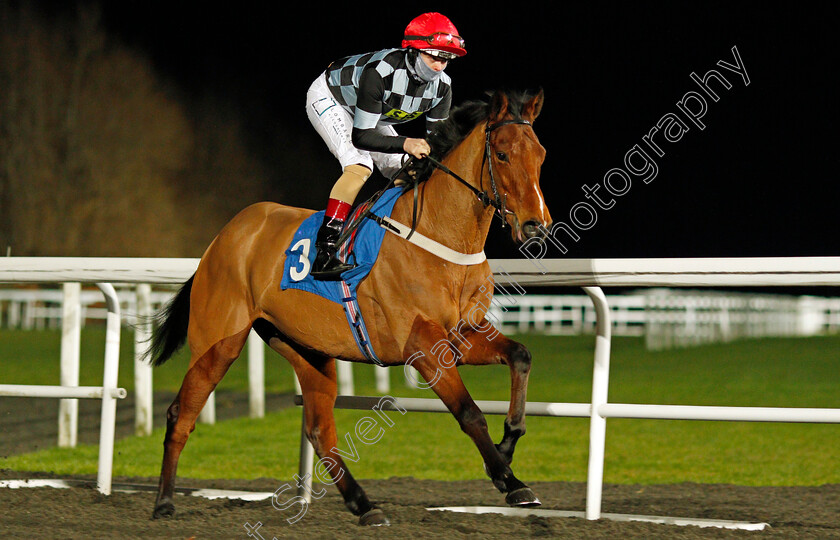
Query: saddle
[361,241]
[361,247]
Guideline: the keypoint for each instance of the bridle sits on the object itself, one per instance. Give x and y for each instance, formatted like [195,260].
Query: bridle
[497,201]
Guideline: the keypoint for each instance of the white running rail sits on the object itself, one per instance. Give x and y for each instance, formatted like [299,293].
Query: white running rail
[69,390]
[590,274]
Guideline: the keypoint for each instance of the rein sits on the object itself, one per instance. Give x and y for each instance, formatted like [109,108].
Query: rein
[496,201]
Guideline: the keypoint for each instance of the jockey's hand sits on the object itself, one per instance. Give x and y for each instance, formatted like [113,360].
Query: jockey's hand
[418,148]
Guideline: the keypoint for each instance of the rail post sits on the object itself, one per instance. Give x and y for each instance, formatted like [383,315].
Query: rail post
[71,337]
[600,386]
[256,375]
[142,370]
[109,389]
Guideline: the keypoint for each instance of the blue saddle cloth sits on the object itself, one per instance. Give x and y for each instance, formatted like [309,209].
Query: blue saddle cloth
[362,248]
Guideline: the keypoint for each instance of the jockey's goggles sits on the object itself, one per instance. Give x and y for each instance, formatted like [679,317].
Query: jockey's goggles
[442,55]
[440,39]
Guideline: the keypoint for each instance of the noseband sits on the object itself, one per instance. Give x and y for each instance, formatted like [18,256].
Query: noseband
[497,201]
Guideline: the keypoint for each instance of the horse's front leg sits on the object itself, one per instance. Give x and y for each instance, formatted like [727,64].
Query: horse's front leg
[434,356]
[491,347]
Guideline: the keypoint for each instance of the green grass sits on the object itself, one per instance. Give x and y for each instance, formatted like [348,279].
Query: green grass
[793,372]
[20,350]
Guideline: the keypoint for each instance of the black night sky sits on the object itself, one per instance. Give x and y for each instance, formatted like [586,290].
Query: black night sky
[759,180]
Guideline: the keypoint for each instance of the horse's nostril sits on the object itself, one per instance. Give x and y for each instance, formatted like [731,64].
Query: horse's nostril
[531,229]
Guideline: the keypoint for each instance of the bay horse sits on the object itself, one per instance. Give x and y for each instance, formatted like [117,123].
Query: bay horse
[413,300]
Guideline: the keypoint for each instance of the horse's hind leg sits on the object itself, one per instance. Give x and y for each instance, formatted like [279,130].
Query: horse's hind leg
[319,388]
[201,379]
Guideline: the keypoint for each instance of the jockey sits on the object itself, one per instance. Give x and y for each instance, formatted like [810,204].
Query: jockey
[355,104]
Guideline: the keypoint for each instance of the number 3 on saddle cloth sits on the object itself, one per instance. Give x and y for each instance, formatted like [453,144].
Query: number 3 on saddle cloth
[361,248]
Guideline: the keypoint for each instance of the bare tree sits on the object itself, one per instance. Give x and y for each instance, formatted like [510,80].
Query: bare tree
[98,156]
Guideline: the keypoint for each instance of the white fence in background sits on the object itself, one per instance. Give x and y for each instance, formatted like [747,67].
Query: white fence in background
[590,274]
[666,317]
[672,317]
[134,277]
[69,390]
[39,308]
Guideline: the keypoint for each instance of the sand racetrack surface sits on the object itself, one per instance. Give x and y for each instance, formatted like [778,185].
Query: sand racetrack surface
[812,512]
[82,512]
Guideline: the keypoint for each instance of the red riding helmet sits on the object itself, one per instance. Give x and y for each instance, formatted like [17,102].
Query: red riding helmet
[434,33]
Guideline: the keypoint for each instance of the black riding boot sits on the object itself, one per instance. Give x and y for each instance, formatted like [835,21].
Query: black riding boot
[327,266]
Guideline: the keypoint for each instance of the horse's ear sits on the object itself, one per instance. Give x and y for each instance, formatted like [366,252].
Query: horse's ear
[498,106]
[532,108]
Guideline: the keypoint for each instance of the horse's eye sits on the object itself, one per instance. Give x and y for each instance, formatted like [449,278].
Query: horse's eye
[501,156]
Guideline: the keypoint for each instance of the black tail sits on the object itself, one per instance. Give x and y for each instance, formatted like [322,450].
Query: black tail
[170,333]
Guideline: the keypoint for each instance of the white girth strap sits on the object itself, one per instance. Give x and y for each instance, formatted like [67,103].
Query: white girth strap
[436,248]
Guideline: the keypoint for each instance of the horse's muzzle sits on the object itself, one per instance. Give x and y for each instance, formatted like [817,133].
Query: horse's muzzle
[532,229]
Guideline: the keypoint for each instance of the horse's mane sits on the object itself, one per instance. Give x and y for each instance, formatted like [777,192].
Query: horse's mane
[448,133]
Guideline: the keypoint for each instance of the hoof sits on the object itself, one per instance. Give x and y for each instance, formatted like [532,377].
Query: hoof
[164,510]
[522,497]
[374,518]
